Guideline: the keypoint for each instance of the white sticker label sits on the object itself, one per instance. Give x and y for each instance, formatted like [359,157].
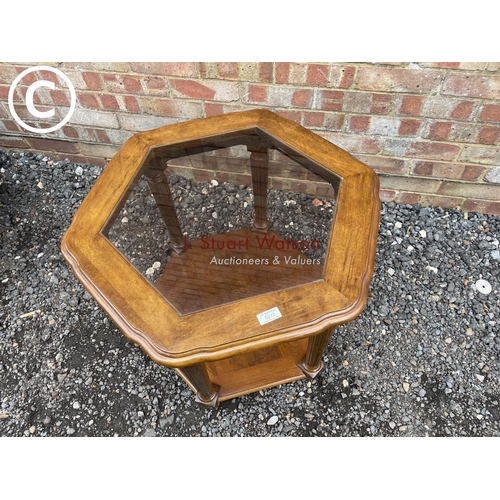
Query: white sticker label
[268,316]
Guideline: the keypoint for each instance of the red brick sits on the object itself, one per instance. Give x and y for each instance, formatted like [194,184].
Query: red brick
[409,127]
[109,102]
[438,170]
[131,84]
[473,85]
[43,144]
[25,115]
[191,88]
[433,150]
[4,92]
[123,83]
[282,72]
[228,69]
[238,165]
[321,189]
[197,174]
[266,72]
[387,195]
[423,168]
[347,78]
[32,78]
[70,132]
[11,125]
[213,109]
[234,178]
[481,206]
[359,123]
[490,113]
[257,93]
[381,104]
[155,83]
[411,105]
[295,116]
[92,80]
[88,100]
[51,77]
[60,97]
[287,170]
[13,142]
[489,135]
[462,111]
[439,131]
[188,69]
[441,201]
[102,136]
[131,104]
[472,172]
[313,119]
[385,164]
[93,160]
[302,98]
[332,100]
[23,91]
[398,79]
[311,176]
[317,74]
[408,198]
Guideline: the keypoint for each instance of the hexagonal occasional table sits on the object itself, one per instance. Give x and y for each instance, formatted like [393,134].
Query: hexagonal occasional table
[247,308]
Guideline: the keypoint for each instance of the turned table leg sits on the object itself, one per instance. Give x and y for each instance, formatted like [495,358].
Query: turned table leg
[259,165]
[312,363]
[158,183]
[206,392]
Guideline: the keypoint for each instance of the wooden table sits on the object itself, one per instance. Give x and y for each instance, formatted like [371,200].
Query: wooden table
[230,330]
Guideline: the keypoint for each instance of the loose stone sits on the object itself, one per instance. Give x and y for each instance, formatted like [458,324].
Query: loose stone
[272,420]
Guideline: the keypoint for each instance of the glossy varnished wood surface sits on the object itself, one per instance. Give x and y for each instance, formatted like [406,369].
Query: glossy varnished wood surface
[148,319]
[201,278]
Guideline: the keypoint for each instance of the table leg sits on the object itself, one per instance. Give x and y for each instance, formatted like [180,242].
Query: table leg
[206,392]
[158,183]
[312,363]
[259,164]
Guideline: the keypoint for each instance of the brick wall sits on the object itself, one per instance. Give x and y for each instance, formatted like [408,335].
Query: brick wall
[431,130]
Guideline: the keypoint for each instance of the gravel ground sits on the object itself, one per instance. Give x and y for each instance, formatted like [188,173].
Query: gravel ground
[421,360]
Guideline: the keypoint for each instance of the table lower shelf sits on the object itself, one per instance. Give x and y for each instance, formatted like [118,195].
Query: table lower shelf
[256,370]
